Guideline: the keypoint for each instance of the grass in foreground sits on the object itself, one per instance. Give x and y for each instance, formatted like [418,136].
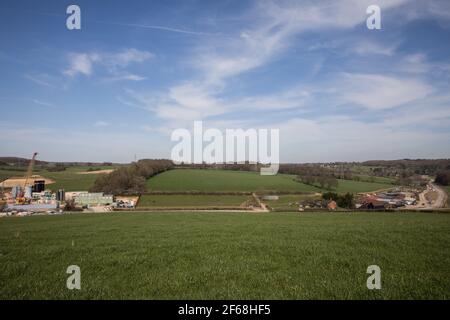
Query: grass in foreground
[226,255]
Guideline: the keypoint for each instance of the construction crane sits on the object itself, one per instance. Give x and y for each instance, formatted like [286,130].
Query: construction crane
[21,198]
[30,169]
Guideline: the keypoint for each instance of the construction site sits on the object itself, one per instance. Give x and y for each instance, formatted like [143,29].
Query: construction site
[27,195]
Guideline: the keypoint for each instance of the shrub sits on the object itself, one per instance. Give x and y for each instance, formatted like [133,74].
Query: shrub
[343,201]
[443,178]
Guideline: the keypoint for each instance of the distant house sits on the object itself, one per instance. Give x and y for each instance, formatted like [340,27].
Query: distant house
[93,199]
[332,205]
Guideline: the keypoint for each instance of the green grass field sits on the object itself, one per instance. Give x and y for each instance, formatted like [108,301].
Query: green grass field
[186,201]
[69,179]
[226,255]
[360,186]
[5,174]
[369,178]
[226,180]
[198,180]
[223,180]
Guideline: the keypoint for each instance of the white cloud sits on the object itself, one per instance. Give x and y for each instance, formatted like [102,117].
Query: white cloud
[316,139]
[279,23]
[418,63]
[276,26]
[296,97]
[127,56]
[123,77]
[344,139]
[41,79]
[100,123]
[133,77]
[438,10]
[42,103]
[82,63]
[379,92]
[163,28]
[368,48]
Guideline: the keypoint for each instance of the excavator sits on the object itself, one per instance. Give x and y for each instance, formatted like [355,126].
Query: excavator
[21,198]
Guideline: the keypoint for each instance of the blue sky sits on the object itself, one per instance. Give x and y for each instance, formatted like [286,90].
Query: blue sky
[137,70]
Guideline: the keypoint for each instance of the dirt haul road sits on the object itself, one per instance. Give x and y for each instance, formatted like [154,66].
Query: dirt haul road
[439,202]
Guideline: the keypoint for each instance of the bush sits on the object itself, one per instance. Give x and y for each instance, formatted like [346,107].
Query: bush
[443,178]
[71,206]
[343,201]
[330,196]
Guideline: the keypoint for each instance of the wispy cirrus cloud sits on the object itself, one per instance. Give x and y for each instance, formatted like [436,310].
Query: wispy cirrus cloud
[217,61]
[113,63]
[377,92]
[43,103]
[374,94]
[40,79]
[100,124]
[162,28]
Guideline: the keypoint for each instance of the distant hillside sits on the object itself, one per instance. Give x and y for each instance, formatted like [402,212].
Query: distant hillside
[18,162]
[408,162]
[22,162]
[412,166]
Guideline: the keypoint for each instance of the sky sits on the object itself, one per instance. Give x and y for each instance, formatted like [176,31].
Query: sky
[137,70]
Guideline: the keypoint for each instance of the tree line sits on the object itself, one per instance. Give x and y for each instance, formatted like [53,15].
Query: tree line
[315,175]
[130,179]
[394,168]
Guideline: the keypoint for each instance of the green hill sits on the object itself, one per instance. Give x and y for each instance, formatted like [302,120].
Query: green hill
[227,180]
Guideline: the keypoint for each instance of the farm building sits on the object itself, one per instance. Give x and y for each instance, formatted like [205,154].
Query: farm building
[93,199]
[332,205]
[270,197]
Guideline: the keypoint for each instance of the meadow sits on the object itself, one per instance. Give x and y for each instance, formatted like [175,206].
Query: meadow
[197,180]
[226,255]
[227,180]
[197,201]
